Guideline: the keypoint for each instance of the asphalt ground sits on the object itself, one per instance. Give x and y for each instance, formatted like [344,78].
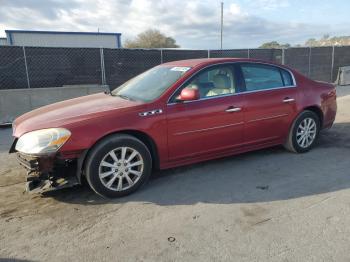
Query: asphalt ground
[268,205]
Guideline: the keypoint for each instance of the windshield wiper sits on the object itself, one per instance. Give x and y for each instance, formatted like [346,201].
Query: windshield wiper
[125,97]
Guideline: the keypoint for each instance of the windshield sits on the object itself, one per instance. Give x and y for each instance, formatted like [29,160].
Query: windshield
[150,84]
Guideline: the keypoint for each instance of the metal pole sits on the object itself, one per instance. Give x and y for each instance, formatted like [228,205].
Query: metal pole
[208,53]
[309,72]
[283,61]
[248,53]
[161,56]
[103,72]
[26,66]
[222,23]
[332,68]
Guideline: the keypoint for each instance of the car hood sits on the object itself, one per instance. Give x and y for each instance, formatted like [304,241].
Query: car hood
[70,111]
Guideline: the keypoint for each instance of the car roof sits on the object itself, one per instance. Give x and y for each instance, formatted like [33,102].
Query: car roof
[210,61]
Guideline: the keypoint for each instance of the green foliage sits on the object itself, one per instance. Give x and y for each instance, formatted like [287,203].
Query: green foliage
[151,38]
[326,40]
[274,44]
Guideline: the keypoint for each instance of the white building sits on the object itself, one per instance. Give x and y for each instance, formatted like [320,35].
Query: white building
[62,39]
[3,41]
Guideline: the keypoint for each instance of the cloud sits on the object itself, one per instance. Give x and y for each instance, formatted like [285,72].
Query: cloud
[235,9]
[49,9]
[194,24]
[271,4]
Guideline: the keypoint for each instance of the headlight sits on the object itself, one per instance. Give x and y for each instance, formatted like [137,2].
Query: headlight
[42,141]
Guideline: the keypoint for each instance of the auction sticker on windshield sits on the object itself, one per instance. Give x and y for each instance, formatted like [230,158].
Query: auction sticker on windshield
[180,69]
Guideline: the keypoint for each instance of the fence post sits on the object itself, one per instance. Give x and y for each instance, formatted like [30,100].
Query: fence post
[208,53]
[103,72]
[309,71]
[248,53]
[332,67]
[26,66]
[283,57]
[161,56]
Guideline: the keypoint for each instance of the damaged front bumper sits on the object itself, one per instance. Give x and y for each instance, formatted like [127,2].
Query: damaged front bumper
[47,173]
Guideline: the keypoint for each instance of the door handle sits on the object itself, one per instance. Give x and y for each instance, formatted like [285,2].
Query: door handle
[233,109]
[288,100]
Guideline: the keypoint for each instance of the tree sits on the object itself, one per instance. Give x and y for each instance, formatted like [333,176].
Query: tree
[326,36]
[311,42]
[326,40]
[274,44]
[151,38]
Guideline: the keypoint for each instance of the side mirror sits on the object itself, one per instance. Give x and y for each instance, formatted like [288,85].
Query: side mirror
[188,94]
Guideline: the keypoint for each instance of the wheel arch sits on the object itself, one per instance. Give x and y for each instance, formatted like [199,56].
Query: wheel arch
[317,110]
[314,108]
[142,136]
[289,144]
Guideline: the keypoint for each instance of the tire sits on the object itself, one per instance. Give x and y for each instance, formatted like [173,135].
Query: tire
[295,141]
[106,162]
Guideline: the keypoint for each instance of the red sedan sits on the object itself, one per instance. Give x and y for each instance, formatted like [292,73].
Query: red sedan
[174,114]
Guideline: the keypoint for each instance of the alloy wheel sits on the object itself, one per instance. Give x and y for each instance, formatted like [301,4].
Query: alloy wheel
[121,168]
[306,132]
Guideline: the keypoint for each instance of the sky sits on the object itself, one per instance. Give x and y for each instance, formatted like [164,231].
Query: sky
[194,24]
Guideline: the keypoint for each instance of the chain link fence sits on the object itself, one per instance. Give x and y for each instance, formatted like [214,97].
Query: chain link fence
[12,68]
[36,67]
[173,55]
[239,53]
[123,64]
[298,58]
[50,67]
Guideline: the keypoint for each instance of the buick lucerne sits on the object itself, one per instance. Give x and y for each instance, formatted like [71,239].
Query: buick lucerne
[174,114]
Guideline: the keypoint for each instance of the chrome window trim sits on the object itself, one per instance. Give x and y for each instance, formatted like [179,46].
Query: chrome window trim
[234,94]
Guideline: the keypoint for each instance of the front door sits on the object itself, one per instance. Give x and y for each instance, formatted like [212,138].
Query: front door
[212,123]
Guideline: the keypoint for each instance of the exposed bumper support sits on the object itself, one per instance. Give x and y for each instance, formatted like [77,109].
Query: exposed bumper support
[45,185]
[48,173]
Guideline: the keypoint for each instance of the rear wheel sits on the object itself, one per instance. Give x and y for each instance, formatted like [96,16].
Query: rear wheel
[304,132]
[118,165]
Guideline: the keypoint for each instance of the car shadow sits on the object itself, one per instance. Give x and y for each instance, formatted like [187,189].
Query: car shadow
[266,175]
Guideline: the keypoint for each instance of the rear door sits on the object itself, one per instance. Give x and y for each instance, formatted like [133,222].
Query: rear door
[270,95]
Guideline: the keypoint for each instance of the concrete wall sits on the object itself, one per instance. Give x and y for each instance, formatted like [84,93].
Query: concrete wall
[15,102]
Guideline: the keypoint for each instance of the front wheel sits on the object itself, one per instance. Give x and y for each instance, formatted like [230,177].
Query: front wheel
[118,165]
[304,132]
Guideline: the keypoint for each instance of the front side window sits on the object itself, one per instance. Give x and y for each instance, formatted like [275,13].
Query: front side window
[150,84]
[213,82]
[261,77]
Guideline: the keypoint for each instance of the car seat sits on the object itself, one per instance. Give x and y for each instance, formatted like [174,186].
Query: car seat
[222,86]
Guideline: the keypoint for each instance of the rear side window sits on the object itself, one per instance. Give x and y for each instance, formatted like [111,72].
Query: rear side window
[287,78]
[261,77]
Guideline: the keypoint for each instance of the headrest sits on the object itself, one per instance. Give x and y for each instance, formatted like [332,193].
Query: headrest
[221,81]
